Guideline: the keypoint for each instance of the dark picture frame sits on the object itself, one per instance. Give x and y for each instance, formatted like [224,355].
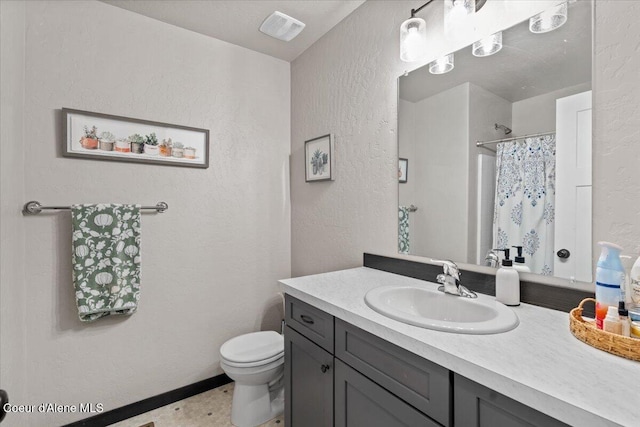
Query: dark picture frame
[99,136]
[318,159]
[403,170]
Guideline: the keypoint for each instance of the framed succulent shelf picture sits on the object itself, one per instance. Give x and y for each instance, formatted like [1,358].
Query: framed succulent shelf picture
[318,159]
[100,136]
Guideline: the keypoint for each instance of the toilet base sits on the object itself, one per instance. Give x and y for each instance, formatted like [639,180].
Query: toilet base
[255,404]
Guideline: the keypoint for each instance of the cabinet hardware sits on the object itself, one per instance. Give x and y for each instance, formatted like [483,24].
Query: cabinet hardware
[306,319]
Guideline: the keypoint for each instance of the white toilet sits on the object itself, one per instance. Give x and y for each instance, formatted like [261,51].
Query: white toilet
[255,362]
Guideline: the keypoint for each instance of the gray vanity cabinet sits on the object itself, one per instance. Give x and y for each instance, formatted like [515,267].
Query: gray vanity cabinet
[420,383]
[308,365]
[479,406]
[359,402]
[308,376]
[338,374]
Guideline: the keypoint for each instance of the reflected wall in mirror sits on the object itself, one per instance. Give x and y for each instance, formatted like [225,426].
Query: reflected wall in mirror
[500,149]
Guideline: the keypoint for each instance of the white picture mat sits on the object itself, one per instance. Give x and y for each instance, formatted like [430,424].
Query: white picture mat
[402,167]
[325,145]
[123,129]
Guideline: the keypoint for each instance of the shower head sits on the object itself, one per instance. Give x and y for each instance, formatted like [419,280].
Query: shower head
[506,130]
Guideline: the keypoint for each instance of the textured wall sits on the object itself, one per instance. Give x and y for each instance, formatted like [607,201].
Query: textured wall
[210,264]
[346,84]
[12,289]
[616,148]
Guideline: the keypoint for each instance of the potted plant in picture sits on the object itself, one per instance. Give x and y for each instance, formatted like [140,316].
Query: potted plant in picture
[319,160]
[151,144]
[90,138]
[137,143]
[165,148]
[107,139]
[123,145]
[177,150]
[189,153]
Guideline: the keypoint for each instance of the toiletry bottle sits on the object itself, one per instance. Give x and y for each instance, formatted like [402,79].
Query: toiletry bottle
[507,282]
[625,289]
[623,315]
[634,283]
[518,262]
[612,321]
[609,278]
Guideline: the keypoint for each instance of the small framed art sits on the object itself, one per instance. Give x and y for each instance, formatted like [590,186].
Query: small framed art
[318,159]
[403,170]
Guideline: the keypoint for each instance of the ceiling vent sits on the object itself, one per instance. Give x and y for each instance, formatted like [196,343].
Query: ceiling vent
[281,26]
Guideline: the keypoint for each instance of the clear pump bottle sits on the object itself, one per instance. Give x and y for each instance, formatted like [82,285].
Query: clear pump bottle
[519,262]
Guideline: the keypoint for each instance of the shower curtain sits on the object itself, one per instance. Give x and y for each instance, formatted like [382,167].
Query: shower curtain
[525,200]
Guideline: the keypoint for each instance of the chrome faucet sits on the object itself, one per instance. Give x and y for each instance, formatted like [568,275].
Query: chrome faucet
[492,259]
[450,280]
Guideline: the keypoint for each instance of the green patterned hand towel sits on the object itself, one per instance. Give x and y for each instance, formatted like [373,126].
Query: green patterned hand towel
[106,259]
[403,229]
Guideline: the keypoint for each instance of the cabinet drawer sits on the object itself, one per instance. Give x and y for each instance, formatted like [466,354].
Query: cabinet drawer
[311,322]
[479,406]
[421,383]
[360,402]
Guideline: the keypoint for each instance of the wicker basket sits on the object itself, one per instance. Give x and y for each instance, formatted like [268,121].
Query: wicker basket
[587,332]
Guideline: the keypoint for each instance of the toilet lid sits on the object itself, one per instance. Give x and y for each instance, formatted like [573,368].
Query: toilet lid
[253,347]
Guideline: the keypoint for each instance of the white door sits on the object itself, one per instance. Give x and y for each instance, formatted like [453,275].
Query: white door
[573,188]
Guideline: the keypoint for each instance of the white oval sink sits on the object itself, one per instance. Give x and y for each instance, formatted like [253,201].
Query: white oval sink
[432,309]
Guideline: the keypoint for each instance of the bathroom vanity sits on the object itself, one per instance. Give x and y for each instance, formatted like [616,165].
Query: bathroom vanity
[347,365]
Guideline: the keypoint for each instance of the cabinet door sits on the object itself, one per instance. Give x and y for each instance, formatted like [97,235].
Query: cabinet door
[308,376]
[419,382]
[360,402]
[479,406]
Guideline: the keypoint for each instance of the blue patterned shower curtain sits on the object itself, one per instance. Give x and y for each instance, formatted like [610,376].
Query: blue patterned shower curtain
[525,199]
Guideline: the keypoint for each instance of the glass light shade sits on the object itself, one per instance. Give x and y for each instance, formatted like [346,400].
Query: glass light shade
[488,45]
[549,20]
[413,40]
[442,65]
[459,18]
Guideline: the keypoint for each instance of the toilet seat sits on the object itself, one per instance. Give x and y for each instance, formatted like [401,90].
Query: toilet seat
[253,349]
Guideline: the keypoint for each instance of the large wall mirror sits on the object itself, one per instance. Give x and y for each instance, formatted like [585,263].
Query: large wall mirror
[496,153]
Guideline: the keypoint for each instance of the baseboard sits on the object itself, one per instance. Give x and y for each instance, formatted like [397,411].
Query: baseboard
[146,405]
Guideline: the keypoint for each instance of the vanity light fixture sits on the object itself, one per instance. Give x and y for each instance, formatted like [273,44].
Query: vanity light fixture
[459,18]
[413,37]
[549,20]
[488,45]
[413,32]
[442,65]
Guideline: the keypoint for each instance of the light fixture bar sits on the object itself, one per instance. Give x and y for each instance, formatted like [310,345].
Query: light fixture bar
[414,11]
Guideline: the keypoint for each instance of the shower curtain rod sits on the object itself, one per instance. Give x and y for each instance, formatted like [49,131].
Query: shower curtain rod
[480,143]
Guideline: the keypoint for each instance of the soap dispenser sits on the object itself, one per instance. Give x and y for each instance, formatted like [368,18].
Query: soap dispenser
[518,261]
[507,282]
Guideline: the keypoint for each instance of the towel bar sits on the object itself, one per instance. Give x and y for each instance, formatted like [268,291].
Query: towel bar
[34,208]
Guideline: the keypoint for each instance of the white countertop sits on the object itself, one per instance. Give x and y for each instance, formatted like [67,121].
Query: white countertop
[540,363]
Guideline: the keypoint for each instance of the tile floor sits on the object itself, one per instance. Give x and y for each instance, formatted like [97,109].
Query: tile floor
[209,409]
